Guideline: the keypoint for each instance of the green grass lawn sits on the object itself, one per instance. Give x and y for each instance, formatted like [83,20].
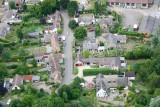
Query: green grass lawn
[33,49]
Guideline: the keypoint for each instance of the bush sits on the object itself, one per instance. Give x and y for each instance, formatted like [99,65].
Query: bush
[75,71]
[132,33]
[13,66]
[88,72]
[87,11]
[4,40]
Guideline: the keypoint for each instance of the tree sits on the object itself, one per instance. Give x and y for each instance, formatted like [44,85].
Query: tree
[58,102]
[65,97]
[80,33]
[48,6]
[97,30]
[72,7]
[86,54]
[142,100]
[155,102]
[28,100]
[12,5]
[6,55]
[64,3]
[34,63]
[155,41]
[1,48]
[59,31]
[19,34]
[24,7]
[75,93]
[16,103]
[25,18]
[35,11]
[72,24]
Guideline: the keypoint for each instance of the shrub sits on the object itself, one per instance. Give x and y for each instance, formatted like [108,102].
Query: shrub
[87,72]
[75,71]
[13,66]
[87,11]
[4,40]
[131,33]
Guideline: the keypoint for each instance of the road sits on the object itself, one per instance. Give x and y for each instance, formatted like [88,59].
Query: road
[133,16]
[68,74]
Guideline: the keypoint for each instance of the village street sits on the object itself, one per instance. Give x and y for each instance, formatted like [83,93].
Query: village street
[68,73]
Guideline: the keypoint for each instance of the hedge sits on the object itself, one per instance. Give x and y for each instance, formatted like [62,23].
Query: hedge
[88,72]
[13,66]
[132,33]
[19,57]
[4,40]
[87,11]
[7,44]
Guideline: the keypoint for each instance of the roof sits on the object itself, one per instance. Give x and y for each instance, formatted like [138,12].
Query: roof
[129,74]
[108,81]
[27,77]
[38,55]
[88,45]
[36,78]
[55,67]
[113,39]
[51,27]
[55,43]
[110,61]
[32,1]
[149,24]
[17,81]
[91,37]
[86,18]
[34,34]
[129,1]
[9,14]
[47,38]
[57,19]
[106,21]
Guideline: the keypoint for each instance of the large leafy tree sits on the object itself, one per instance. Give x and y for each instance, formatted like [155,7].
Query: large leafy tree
[86,54]
[72,24]
[72,7]
[80,33]
[12,5]
[19,34]
[155,102]
[1,48]
[64,3]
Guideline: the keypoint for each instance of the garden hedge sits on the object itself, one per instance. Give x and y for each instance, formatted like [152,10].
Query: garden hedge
[132,33]
[4,40]
[87,11]
[89,72]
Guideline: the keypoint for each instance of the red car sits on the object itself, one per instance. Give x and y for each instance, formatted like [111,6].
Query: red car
[91,30]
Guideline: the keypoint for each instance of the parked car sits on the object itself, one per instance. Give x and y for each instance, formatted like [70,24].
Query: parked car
[67,33]
[91,30]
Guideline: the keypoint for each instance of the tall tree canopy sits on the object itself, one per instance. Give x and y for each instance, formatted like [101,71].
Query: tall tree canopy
[80,33]
[64,3]
[72,7]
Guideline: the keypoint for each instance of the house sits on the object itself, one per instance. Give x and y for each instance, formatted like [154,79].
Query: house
[17,82]
[55,68]
[130,76]
[113,40]
[130,3]
[91,44]
[49,29]
[27,78]
[114,63]
[46,38]
[106,22]
[11,17]
[4,28]
[38,56]
[80,7]
[149,25]
[105,82]
[34,34]
[86,20]
[7,82]
[35,78]
[55,43]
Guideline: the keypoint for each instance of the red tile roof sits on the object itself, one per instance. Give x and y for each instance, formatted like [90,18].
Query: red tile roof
[27,77]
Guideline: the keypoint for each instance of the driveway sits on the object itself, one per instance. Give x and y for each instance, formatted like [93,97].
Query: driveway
[68,77]
[133,16]
[42,85]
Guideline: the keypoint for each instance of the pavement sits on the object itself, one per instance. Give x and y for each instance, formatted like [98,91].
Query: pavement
[133,16]
[68,74]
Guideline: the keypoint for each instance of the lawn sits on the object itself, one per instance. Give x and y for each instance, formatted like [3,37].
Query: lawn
[33,49]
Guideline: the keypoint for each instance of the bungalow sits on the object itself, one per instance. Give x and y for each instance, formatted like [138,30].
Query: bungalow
[49,29]
[7,82]
[17,82]
[130,3]
[113,40]
[86,20]
[149,25]
[35,78]
[10,17]
[4,28]
[104,83]
[55,43]
[114,63]
[55,68]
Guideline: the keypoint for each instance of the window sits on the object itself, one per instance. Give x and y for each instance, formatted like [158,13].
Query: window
[128,4]
[144,5]
[112,3]
[109,81]
[114,81]
[117,3]
[132,4]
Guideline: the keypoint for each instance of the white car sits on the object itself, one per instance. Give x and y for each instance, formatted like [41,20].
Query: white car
[67,33]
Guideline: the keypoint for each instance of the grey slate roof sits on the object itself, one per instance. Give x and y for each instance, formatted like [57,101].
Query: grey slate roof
[47,38]
[112,39]
[36,78]
[149,24]
[9,14]
[106,21]
[106,82]
[87,45]
[110,61]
